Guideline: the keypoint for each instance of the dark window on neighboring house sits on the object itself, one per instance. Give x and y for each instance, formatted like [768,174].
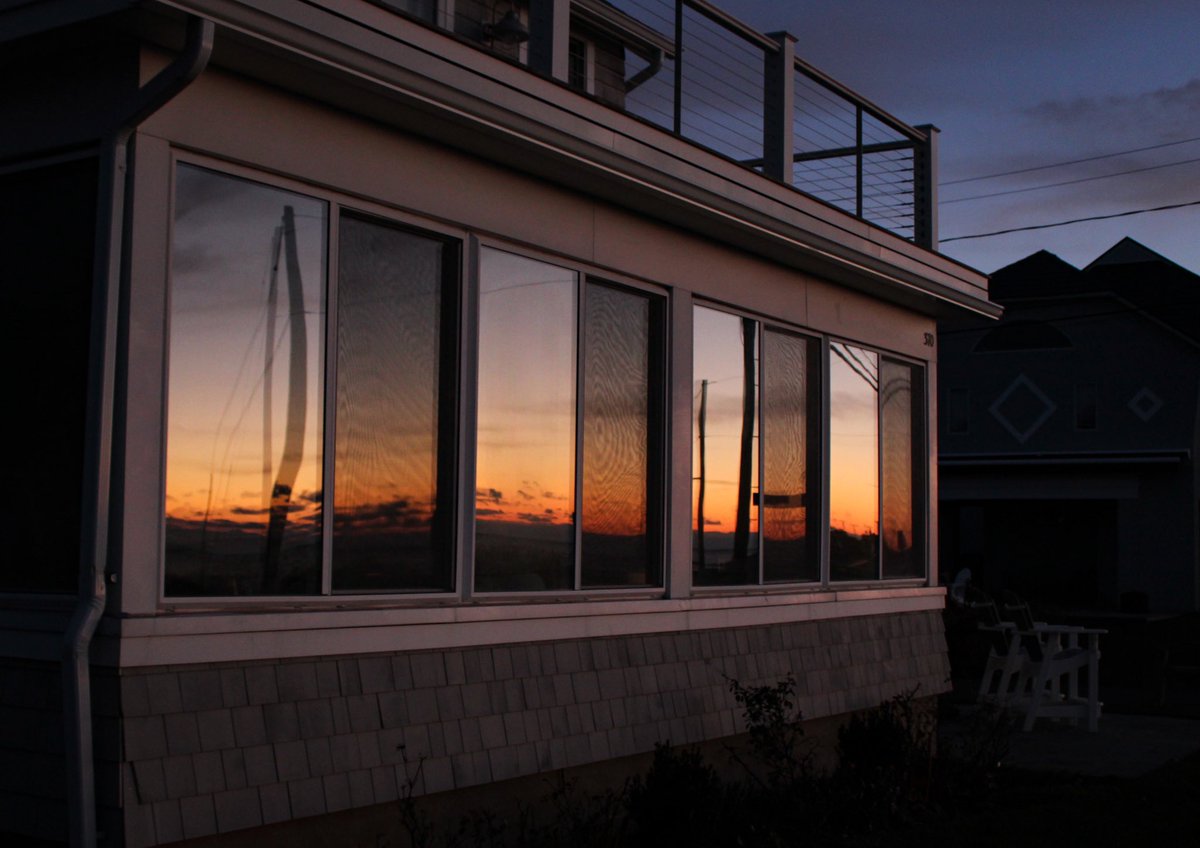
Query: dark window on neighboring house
[47,236]
[577,72]
[1085,406]
[1022,335]
[425,10]
[744,533]
[958,411]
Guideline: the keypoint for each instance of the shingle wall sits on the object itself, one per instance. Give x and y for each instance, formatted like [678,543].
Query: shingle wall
[216,748]
[32,775]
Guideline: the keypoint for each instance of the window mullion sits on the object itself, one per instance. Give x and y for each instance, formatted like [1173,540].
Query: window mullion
[826,476]
[580,353]
[329,407]
[879,460]
[759,384]
[468,419]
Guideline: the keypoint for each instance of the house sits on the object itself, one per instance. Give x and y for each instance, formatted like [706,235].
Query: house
[461,384]
[1068,437]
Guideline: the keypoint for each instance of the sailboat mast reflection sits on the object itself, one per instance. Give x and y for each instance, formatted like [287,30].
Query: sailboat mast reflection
[297,405]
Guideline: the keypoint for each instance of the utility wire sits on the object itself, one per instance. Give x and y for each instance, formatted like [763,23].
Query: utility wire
[1068,162]
[1073,221]
[1072,182]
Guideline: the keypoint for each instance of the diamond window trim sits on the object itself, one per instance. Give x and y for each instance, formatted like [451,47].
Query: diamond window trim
[1022,435]
[1145,404]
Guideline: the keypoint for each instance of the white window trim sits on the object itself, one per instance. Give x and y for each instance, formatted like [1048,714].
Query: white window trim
[221,636]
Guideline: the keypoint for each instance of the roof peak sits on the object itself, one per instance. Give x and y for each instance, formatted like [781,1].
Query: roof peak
[1127,252]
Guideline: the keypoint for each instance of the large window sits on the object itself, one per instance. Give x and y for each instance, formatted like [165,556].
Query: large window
[877,449]
[568,479]
[247,468]
[744,373]
[313,421]
[397,346]
[902,420]
[244,418]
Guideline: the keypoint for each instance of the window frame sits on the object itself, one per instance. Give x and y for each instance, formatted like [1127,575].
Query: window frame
[821,406]
[671,582]
[587,57]
[817,408]
[920,444]
[336,202]
[585,274]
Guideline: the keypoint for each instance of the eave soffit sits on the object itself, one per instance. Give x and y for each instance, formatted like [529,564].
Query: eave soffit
[370,62]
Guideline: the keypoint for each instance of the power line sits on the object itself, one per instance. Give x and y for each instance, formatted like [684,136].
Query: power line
[1073,221]
[1067,162]
[1072,182]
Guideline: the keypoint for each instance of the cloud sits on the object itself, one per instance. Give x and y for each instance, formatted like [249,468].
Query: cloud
[387,515]
[245,510]
[1169,112]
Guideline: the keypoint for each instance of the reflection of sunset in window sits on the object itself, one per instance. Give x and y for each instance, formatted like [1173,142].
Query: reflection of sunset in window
[616,412]
[536,428]
[790,382]
[853,462]
[525,448]
[525,461]
[393,459]
[244,492]
[902,415]
[719,382]
[725,461]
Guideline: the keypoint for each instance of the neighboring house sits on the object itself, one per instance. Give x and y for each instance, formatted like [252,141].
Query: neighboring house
[379,397]
[1068,434]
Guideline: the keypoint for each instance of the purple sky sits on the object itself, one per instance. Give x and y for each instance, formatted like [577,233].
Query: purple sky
[1024,83]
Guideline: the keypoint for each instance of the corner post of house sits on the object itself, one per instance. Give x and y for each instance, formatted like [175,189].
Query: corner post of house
[779,86]
[925,182]
[549,32]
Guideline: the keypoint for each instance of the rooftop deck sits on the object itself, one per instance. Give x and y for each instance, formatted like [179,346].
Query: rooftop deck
[695,71]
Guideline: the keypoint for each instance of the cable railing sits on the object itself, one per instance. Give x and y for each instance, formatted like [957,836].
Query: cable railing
[691,69]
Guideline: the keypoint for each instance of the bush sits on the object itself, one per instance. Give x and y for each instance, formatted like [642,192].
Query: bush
[883,776]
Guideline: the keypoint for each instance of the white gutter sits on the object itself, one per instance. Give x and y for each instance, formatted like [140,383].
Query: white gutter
[110,240]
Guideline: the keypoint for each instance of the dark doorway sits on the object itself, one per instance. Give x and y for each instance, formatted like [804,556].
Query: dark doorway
[1051,552]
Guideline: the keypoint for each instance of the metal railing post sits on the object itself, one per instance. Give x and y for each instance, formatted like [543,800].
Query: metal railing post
[925,181]
[858,160]
[779,88]
[678,118]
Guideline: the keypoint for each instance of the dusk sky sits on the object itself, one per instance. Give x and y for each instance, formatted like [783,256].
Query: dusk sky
[1020,84]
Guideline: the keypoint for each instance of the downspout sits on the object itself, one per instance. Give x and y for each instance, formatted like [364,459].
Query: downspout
[110,237]
[656,62]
